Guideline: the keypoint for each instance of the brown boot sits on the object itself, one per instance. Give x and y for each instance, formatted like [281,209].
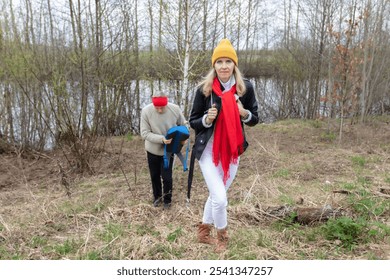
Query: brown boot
[204,234]
[222,240]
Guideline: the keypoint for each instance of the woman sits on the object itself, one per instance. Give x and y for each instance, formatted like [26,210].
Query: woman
[223,102]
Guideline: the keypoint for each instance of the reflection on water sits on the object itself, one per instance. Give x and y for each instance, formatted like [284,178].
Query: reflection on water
[38,119]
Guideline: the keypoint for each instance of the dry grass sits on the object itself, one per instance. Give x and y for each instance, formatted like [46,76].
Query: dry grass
[109,215]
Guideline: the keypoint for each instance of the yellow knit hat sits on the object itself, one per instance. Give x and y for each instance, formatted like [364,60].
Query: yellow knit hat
[224,49]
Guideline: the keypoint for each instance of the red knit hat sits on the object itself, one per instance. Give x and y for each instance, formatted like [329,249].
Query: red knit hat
[160,101]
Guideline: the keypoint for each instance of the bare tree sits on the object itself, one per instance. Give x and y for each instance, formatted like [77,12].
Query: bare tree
[183,29]
[372,40]
[84,68]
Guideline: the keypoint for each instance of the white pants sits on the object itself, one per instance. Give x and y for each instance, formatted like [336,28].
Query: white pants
[215,209]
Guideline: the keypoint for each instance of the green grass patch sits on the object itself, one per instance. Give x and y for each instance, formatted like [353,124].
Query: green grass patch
[285,199]
[68,247]
[358,161]
[345,230]
[368,206]
[71,208]
[378,231]
[98,207]
[142,230]
[166,252]
[372,256]
[242,244]
[93,255]
[5,254]
[351,232]
[328,136]
[262,240]
[129,136]
[364,181]
[312,234]
[173,236]
[281,173]
[321,254]
[385,147]
[59,227]
[315,123]
[286,223]
[111,231]
[38,241]
[349,186]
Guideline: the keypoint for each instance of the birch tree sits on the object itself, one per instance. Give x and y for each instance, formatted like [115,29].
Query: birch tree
[183,29]
[374,60]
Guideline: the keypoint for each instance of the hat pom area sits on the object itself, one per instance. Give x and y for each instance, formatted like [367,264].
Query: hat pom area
[224,49]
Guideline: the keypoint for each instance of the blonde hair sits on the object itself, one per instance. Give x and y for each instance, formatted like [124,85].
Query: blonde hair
[207,82]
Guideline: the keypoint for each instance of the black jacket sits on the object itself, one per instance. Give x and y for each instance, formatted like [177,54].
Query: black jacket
[203,103]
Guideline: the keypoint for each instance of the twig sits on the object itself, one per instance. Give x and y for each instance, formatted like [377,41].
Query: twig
[119,162]
[4,224]
[112,241]
[64,180]
[88,234]
[250,190]
[342,191]
[111,213]
[384,191]
[270,215]
[80,215]
[382,194]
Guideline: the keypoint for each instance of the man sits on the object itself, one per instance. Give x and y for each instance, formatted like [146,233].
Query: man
[156,119]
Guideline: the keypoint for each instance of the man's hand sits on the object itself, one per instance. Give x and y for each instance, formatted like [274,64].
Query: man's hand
[167,141]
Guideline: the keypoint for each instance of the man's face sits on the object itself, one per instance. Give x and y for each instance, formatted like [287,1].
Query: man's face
[160,109]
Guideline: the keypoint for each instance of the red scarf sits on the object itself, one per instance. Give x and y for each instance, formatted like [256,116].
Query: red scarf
[228,137]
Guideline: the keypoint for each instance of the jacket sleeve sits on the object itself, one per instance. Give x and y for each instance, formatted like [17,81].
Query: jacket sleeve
[198,111]
[146,130]
[250,103]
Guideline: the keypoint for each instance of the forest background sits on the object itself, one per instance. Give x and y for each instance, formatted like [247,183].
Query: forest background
[75,72]
[77,69]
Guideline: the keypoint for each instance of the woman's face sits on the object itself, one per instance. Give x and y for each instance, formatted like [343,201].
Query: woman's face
[224,67]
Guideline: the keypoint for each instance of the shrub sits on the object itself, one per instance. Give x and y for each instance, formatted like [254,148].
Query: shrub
[344,229]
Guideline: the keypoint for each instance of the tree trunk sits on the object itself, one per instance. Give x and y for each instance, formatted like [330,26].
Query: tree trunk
[303,215]
[9,131]
[184,103]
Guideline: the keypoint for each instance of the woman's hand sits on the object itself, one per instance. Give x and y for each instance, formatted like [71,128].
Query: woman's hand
[242,110]
[211,114]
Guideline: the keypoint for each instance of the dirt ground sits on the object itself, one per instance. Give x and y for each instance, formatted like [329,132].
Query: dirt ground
[43,169]
[44,201]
